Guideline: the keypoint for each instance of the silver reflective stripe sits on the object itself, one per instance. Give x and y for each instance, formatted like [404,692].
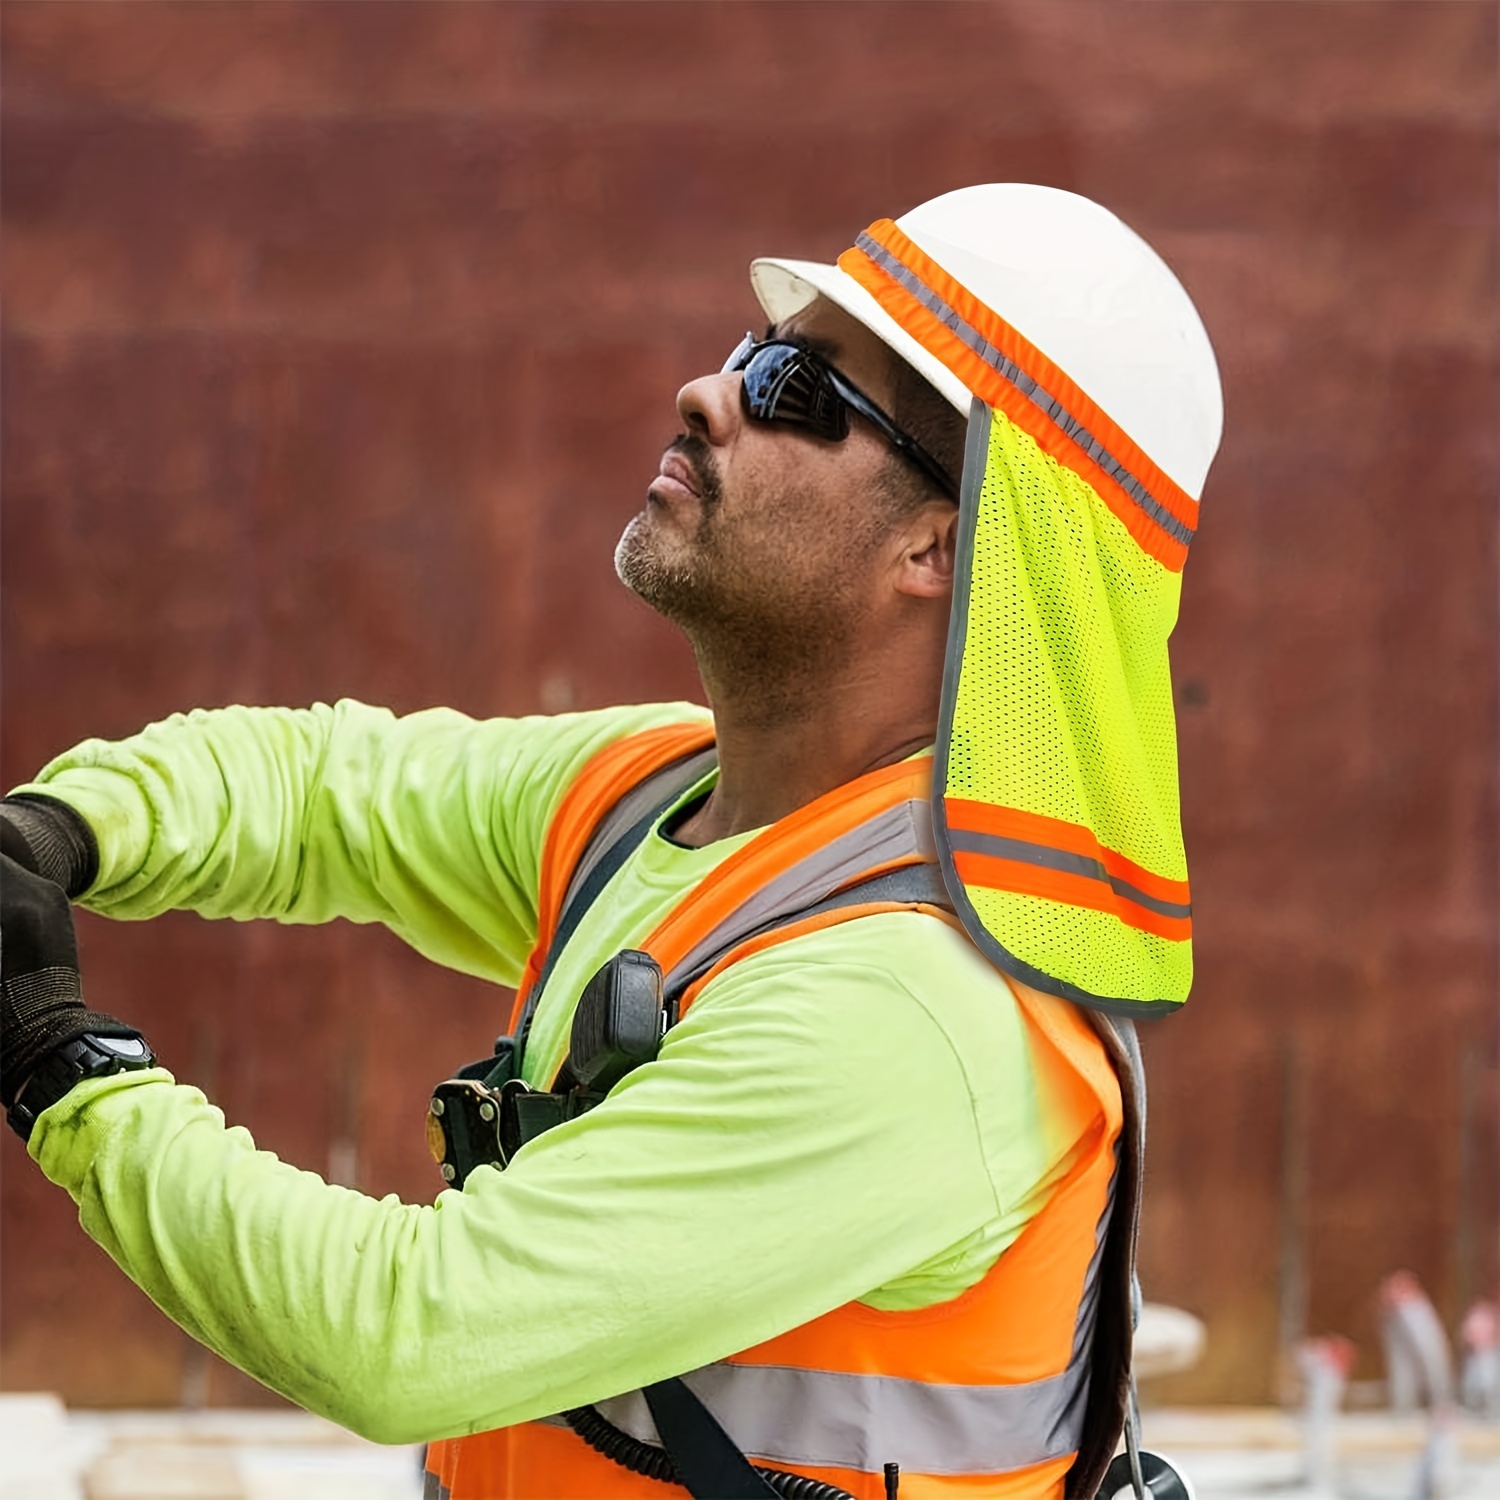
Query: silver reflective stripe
[1042,399]
[432,1487]
[993,844]
[632,807]
[902,830]
[819,1417]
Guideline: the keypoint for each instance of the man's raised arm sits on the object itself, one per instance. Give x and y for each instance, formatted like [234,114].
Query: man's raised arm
[432,824]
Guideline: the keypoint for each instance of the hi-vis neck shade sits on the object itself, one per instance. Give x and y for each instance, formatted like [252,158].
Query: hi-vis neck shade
[1055,782]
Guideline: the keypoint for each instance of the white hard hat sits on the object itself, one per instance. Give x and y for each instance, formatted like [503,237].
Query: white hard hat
[1074,281]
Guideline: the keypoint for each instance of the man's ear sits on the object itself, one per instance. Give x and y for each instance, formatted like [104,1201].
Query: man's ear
[924,569]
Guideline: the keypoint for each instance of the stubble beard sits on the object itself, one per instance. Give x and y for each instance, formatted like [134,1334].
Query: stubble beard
[768,635]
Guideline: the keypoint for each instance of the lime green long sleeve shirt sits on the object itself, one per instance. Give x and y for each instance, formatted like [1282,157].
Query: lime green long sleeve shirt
[851,1114]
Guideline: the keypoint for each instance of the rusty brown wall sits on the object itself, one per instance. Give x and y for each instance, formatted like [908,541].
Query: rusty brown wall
[340,341]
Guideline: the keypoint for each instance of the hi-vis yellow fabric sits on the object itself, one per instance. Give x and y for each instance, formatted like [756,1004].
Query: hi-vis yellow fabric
[1055,784]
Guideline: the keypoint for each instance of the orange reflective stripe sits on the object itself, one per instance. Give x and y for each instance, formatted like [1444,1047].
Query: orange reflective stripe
[1072,890]
[800,929]
[1156,511]
[798,836]
[537,1461]
[1007,849]
[604,779]
[1033,828]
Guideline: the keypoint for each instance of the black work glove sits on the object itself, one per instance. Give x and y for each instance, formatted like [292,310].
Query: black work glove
[41,995]
[48,838]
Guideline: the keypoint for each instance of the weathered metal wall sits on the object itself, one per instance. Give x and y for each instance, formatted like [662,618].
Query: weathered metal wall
[341,340]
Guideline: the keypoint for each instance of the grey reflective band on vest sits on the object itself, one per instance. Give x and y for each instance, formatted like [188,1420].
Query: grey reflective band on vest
[821,1417]
[1042,399]
[906,885]
[900,832]
[671,782]
[997,847]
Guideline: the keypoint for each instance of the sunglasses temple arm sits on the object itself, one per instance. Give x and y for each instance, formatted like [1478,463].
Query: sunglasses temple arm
[908,447]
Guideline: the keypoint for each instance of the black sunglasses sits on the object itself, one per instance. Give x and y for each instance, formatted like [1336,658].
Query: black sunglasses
[787,383]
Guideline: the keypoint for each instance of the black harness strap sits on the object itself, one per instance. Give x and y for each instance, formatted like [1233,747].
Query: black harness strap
[708,1464]
[671,782]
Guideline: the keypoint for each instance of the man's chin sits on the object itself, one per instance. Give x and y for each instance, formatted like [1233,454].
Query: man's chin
[645,563]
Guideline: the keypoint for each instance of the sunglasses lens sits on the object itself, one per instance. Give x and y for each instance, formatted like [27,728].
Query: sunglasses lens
[742,352]
[784,384]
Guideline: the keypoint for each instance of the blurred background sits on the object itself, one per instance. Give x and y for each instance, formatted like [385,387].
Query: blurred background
[342,339]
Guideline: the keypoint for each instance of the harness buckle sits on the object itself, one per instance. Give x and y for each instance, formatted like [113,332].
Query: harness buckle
[485,1113]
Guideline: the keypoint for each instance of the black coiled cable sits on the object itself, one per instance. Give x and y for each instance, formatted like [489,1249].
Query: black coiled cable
[645,1458]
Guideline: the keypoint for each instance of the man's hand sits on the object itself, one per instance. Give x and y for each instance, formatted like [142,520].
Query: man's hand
[48,838]
[41,994]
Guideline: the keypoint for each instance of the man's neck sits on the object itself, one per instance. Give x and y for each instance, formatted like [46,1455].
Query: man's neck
[775,759]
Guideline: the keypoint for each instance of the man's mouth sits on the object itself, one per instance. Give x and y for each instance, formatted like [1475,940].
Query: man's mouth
[677,479]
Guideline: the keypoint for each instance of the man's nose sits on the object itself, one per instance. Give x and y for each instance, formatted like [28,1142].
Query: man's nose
[710,406]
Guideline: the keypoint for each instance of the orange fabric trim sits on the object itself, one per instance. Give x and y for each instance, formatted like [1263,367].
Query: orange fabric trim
[800,929]
[1016,1323]
[1016,875]
[914,1345]
[1053,833]
[537,1461]
[608,776]
[795,837]
[993,388]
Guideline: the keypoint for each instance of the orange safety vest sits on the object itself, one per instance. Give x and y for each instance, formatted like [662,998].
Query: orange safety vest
[1016,1388]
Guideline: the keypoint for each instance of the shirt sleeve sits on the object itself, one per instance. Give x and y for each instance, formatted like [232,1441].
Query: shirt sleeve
[432,824]
[811,1130]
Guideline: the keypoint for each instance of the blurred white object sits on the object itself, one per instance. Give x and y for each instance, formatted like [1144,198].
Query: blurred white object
[1437,1469]
[1418,1362]
[1419,1372]
[36,1458]
[1167,1339]
[1324,1364]
[1479,1337]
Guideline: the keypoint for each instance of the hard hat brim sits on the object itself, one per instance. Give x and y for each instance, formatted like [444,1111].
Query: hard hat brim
[784,287]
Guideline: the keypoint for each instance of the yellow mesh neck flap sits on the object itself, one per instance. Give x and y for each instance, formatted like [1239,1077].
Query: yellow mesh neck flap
[1055,783]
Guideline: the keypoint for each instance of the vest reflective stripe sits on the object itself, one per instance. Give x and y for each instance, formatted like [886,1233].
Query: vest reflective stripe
[1007,371]
[897,836]
[859,1421]
[982,1396]
[878,822]
[830,1418]
[613,773]
[675,777]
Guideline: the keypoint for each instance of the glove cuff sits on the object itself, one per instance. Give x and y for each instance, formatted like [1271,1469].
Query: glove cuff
[50,839]
[105,1046]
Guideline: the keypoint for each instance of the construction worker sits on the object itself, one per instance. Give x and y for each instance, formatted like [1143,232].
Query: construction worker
[808,1164]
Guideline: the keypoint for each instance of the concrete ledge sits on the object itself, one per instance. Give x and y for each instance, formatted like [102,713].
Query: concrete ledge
[50,1453]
